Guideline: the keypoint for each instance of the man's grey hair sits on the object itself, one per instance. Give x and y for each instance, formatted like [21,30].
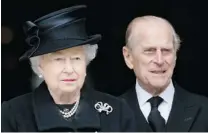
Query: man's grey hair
[90,51]
[176,38]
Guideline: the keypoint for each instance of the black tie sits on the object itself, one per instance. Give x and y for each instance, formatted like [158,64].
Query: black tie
[156,121]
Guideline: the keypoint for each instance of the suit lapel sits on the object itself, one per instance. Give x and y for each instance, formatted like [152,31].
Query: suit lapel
[183,112]
[131,98]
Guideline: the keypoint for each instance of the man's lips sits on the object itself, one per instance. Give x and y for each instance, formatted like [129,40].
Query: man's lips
[158,71]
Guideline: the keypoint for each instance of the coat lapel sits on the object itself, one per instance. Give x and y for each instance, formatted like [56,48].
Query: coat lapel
[87,118]
[183,112]
[131,98]
[48,118]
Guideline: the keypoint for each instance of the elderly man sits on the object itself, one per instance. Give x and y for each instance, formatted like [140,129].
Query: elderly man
[158,102]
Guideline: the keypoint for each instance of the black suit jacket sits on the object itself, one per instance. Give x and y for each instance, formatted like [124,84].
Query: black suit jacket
[36,112]
[189,112]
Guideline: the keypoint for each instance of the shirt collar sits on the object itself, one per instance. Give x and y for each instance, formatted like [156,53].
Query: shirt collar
[168,93]
[143,95]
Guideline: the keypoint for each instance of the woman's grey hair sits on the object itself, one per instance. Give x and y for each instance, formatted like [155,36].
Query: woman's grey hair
[90,51]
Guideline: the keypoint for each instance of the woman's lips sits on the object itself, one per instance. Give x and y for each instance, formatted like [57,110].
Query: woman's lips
[68,80]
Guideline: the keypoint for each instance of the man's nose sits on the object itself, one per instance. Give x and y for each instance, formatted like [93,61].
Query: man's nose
[159,59]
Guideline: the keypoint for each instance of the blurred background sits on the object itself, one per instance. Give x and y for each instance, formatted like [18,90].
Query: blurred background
[109,18]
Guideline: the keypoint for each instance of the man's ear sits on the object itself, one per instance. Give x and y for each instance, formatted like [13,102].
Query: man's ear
[127,57]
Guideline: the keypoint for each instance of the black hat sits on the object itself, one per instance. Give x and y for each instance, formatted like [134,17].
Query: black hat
[58,30]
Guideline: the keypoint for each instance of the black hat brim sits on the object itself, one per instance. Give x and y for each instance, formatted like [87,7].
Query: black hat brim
[57,45]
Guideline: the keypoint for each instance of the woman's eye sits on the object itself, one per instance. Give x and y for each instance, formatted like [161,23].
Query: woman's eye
[76,58]
[59,59]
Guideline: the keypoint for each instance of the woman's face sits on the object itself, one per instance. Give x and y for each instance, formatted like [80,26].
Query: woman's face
[65,70]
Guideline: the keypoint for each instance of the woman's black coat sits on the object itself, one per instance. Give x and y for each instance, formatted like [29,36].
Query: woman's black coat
[36,112]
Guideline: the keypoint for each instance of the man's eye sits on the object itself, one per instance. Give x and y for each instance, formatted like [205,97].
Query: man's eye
[149,50]
[166,51]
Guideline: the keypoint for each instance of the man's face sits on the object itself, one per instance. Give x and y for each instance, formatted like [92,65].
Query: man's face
[152,57]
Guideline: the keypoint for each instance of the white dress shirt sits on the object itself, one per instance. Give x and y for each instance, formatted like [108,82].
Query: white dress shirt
[164,108]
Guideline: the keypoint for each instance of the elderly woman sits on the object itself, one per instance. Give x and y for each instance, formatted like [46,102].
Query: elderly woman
[60,53]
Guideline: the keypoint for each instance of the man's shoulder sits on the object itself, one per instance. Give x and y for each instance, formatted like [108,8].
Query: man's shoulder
[192,97]
[198,99]
[128,93]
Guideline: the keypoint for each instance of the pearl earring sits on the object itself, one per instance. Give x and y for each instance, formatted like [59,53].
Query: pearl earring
[40,76]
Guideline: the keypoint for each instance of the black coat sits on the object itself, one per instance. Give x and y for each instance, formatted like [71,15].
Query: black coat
[36,111]
[189,112]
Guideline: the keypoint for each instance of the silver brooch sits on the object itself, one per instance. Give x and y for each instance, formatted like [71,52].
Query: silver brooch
[100,107]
